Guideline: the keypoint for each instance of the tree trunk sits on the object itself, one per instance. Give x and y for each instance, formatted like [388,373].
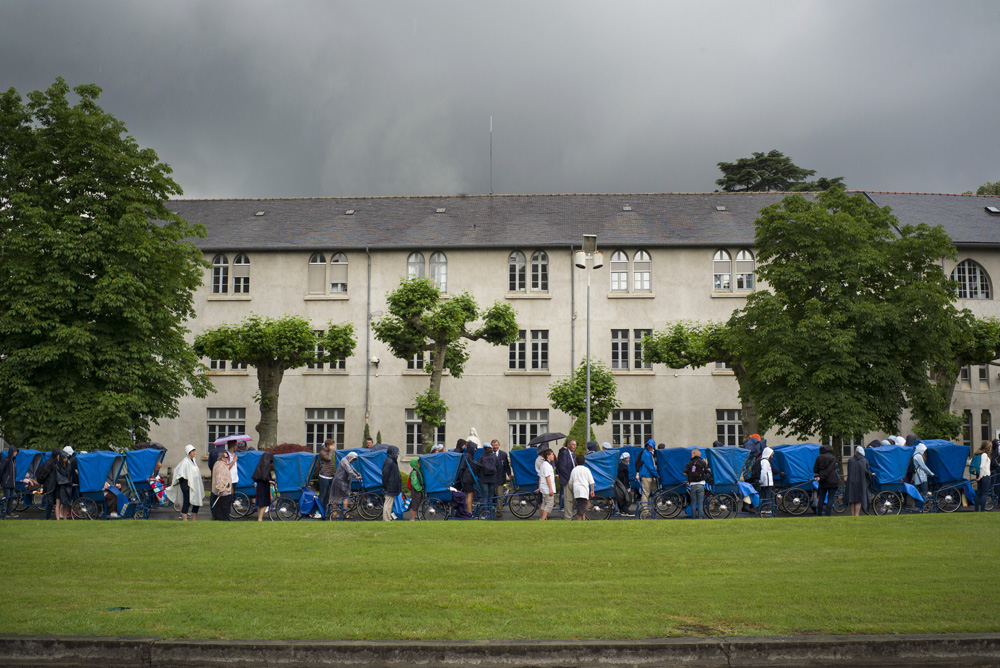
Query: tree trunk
[268,383]
[437,371]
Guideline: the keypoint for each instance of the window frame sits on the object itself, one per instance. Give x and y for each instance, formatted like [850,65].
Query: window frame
[414,438]
[642,277]
[729,426]
[338,425]
[627,420]
[231,420]
[972,281]
[220,274]
[619,277]
[523,424]
[517,272]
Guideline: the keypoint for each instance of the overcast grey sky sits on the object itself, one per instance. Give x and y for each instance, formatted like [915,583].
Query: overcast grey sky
[288,99]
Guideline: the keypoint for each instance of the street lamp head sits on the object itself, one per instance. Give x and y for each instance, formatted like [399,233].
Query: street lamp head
[589,243]
[598,259]
[580,259]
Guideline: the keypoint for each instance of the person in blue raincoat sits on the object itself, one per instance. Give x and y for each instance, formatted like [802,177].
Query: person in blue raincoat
[645,472]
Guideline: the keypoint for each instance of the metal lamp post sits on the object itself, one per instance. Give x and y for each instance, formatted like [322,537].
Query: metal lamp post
[588,258]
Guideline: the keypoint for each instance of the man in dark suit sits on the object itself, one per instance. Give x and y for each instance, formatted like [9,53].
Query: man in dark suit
[503,467]
[564,467]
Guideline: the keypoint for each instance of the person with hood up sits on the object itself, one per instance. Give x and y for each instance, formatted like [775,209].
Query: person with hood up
[696,471]
[921,472]
[827,480]
[592,446]
[489,475]
[417,495]
[261,477]
[64,484]
[464,478]
[340,489]
[766,480]
[858,477]
[222,488]
[8,478]
[46,477]
[645,472]
[392,485]
[565,461]
[623,484]
[187,487]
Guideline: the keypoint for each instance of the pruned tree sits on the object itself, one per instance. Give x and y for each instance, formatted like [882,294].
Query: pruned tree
[97,280]
[272,346]
[422,320]
[569,395]
[771,171]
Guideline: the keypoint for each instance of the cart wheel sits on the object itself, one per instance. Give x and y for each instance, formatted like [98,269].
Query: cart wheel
[20,504]
[435,509]
[523,505]
[887,503]
[991,502]
[370,506]
[600,508]
[284,509]
[645,513]
[668,504]
[141,512]
[949,500]
[334,511]
[721,506]
[85,509]
[838,502]
[240,506]
[795,501]
[484,512]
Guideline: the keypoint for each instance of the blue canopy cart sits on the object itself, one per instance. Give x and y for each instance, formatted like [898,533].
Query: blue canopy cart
[25,465]
[603,466]
[889,463]
[366,494]
[439,469]
[794,480]
[140,467]
[96,469]
[948,460]
[292,473]
[672,498]
[728,490]
[522,499]
[245,494]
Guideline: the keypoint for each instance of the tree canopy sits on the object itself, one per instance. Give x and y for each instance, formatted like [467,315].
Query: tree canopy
[989,189]
[569,395]
[96,280]
[857,310]
[272,346]
[763,172]
[421,319]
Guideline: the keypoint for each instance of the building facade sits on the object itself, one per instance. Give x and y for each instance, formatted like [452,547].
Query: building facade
[667,257]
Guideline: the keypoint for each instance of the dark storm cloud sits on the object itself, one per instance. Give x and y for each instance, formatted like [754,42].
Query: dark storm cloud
[394,98]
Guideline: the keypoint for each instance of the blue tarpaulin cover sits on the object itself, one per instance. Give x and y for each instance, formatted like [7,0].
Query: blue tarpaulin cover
[27,460]
[889,462]
[604,467]
[368,464]
[796,462]
[522,462]
[633,456]
[946,459]
[439,470]
[140,464]
[292,470]
[97,468]
[246,462]
[670,465]
[309,503]
[747,490]
[914,494]
[727,463]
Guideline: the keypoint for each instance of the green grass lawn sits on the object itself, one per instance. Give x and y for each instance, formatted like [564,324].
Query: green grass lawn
[513,580]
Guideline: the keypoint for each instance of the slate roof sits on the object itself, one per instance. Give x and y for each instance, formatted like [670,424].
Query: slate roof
[511,221]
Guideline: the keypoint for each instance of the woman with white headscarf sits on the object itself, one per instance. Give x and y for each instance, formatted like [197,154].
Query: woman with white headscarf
[340,488]
[188,487]
[856,487]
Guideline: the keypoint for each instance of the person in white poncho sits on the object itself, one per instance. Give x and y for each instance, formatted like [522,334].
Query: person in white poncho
[188,487]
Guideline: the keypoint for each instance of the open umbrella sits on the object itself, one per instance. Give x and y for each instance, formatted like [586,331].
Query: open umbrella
[239,438]
[547,437]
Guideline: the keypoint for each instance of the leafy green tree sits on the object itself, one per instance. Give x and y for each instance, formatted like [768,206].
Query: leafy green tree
[378,436]
[693,345]
[578,433]
[763,172]
[989,189]
[97,282]
[857,311]
[422,320]
[272,346]
[368,434]
[569,395]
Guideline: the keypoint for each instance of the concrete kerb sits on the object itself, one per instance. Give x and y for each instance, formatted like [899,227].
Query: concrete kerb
[967,650]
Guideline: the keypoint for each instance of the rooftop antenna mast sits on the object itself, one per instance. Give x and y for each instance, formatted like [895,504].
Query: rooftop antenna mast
[491,155]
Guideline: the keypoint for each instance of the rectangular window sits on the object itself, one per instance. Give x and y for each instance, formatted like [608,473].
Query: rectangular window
[241,279]
[415,363]
[723,366]
[967,428]
[728,426]
[631,426]
[965,375]
[539,350]
[525,424]
[847,445]
[225,422]
[414,439]
[516,274]
[517,353]
[338,274]
[238,366]
[333,365]
[540,272]
[986,426]
[324,423]
[637,337]
[619,349]
[217,365]
[984,374]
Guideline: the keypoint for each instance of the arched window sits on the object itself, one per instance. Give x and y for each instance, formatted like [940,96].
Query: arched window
[642,272]
[973,281]
[317,274]
[619,271]
[722,271]
[439,271]
[539,271]
[516,272]
[415,265]
[744,270]
[220,275]
[241,275]
[338,274]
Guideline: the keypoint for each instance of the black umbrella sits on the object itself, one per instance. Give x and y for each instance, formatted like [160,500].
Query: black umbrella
[546,438]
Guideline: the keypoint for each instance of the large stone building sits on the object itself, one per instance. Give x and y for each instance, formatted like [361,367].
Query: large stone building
[667,257]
